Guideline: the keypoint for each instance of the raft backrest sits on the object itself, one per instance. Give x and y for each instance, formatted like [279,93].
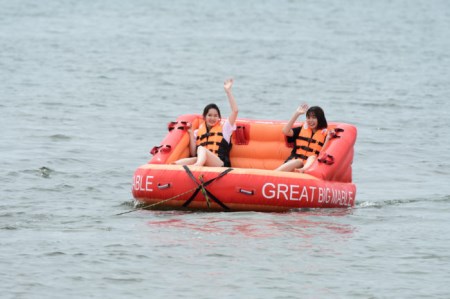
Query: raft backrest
[265,146]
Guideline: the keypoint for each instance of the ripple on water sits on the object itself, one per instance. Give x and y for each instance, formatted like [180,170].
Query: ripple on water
[60,137]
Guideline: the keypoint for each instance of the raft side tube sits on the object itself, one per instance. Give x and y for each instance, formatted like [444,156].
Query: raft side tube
[341,149]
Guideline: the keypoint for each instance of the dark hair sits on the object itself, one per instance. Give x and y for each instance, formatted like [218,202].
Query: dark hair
[211,106]
[320,115]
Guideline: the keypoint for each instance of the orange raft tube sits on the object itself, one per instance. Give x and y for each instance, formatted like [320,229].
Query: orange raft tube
[250,184]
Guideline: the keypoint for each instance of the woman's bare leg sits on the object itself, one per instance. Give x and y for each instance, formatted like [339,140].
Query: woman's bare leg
[207,158]
[290,165]
[308,164]
[186,161]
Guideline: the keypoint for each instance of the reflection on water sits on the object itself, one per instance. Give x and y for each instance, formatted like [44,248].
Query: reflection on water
[253,225]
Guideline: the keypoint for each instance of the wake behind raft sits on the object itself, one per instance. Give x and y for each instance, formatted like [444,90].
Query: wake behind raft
[250,184]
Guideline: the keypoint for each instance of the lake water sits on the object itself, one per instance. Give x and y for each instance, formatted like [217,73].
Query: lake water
[88,87]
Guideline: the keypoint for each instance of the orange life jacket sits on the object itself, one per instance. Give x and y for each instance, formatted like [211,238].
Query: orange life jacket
[211,139]
[309,143]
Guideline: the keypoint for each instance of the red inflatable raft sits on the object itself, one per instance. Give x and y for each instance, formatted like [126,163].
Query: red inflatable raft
[250,184]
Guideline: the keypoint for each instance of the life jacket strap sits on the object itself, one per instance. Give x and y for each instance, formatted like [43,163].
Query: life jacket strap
[208,134]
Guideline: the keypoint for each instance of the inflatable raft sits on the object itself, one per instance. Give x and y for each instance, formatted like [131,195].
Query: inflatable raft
[250,184]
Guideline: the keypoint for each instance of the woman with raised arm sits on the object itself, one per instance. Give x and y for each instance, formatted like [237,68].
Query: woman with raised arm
[210,144]
[308,139]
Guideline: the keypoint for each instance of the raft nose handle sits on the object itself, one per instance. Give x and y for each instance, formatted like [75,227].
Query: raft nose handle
[247,192]
[164,186]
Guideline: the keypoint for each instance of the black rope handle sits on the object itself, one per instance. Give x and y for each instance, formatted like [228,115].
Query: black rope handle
[202,187]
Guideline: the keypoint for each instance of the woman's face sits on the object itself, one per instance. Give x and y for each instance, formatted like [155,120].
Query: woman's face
[212,117]
[311,120]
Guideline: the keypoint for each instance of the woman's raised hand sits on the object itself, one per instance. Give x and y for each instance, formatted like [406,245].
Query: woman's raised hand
[302,109]
[228,84]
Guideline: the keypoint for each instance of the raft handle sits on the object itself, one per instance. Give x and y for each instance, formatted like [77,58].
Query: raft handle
[241,134]
[165,148]
[336,131]
[247,192]
[165,186]
[182,125]
[171,125]
[326,159]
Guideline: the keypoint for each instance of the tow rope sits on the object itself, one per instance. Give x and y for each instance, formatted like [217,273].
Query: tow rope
[156,203]
[201,186]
